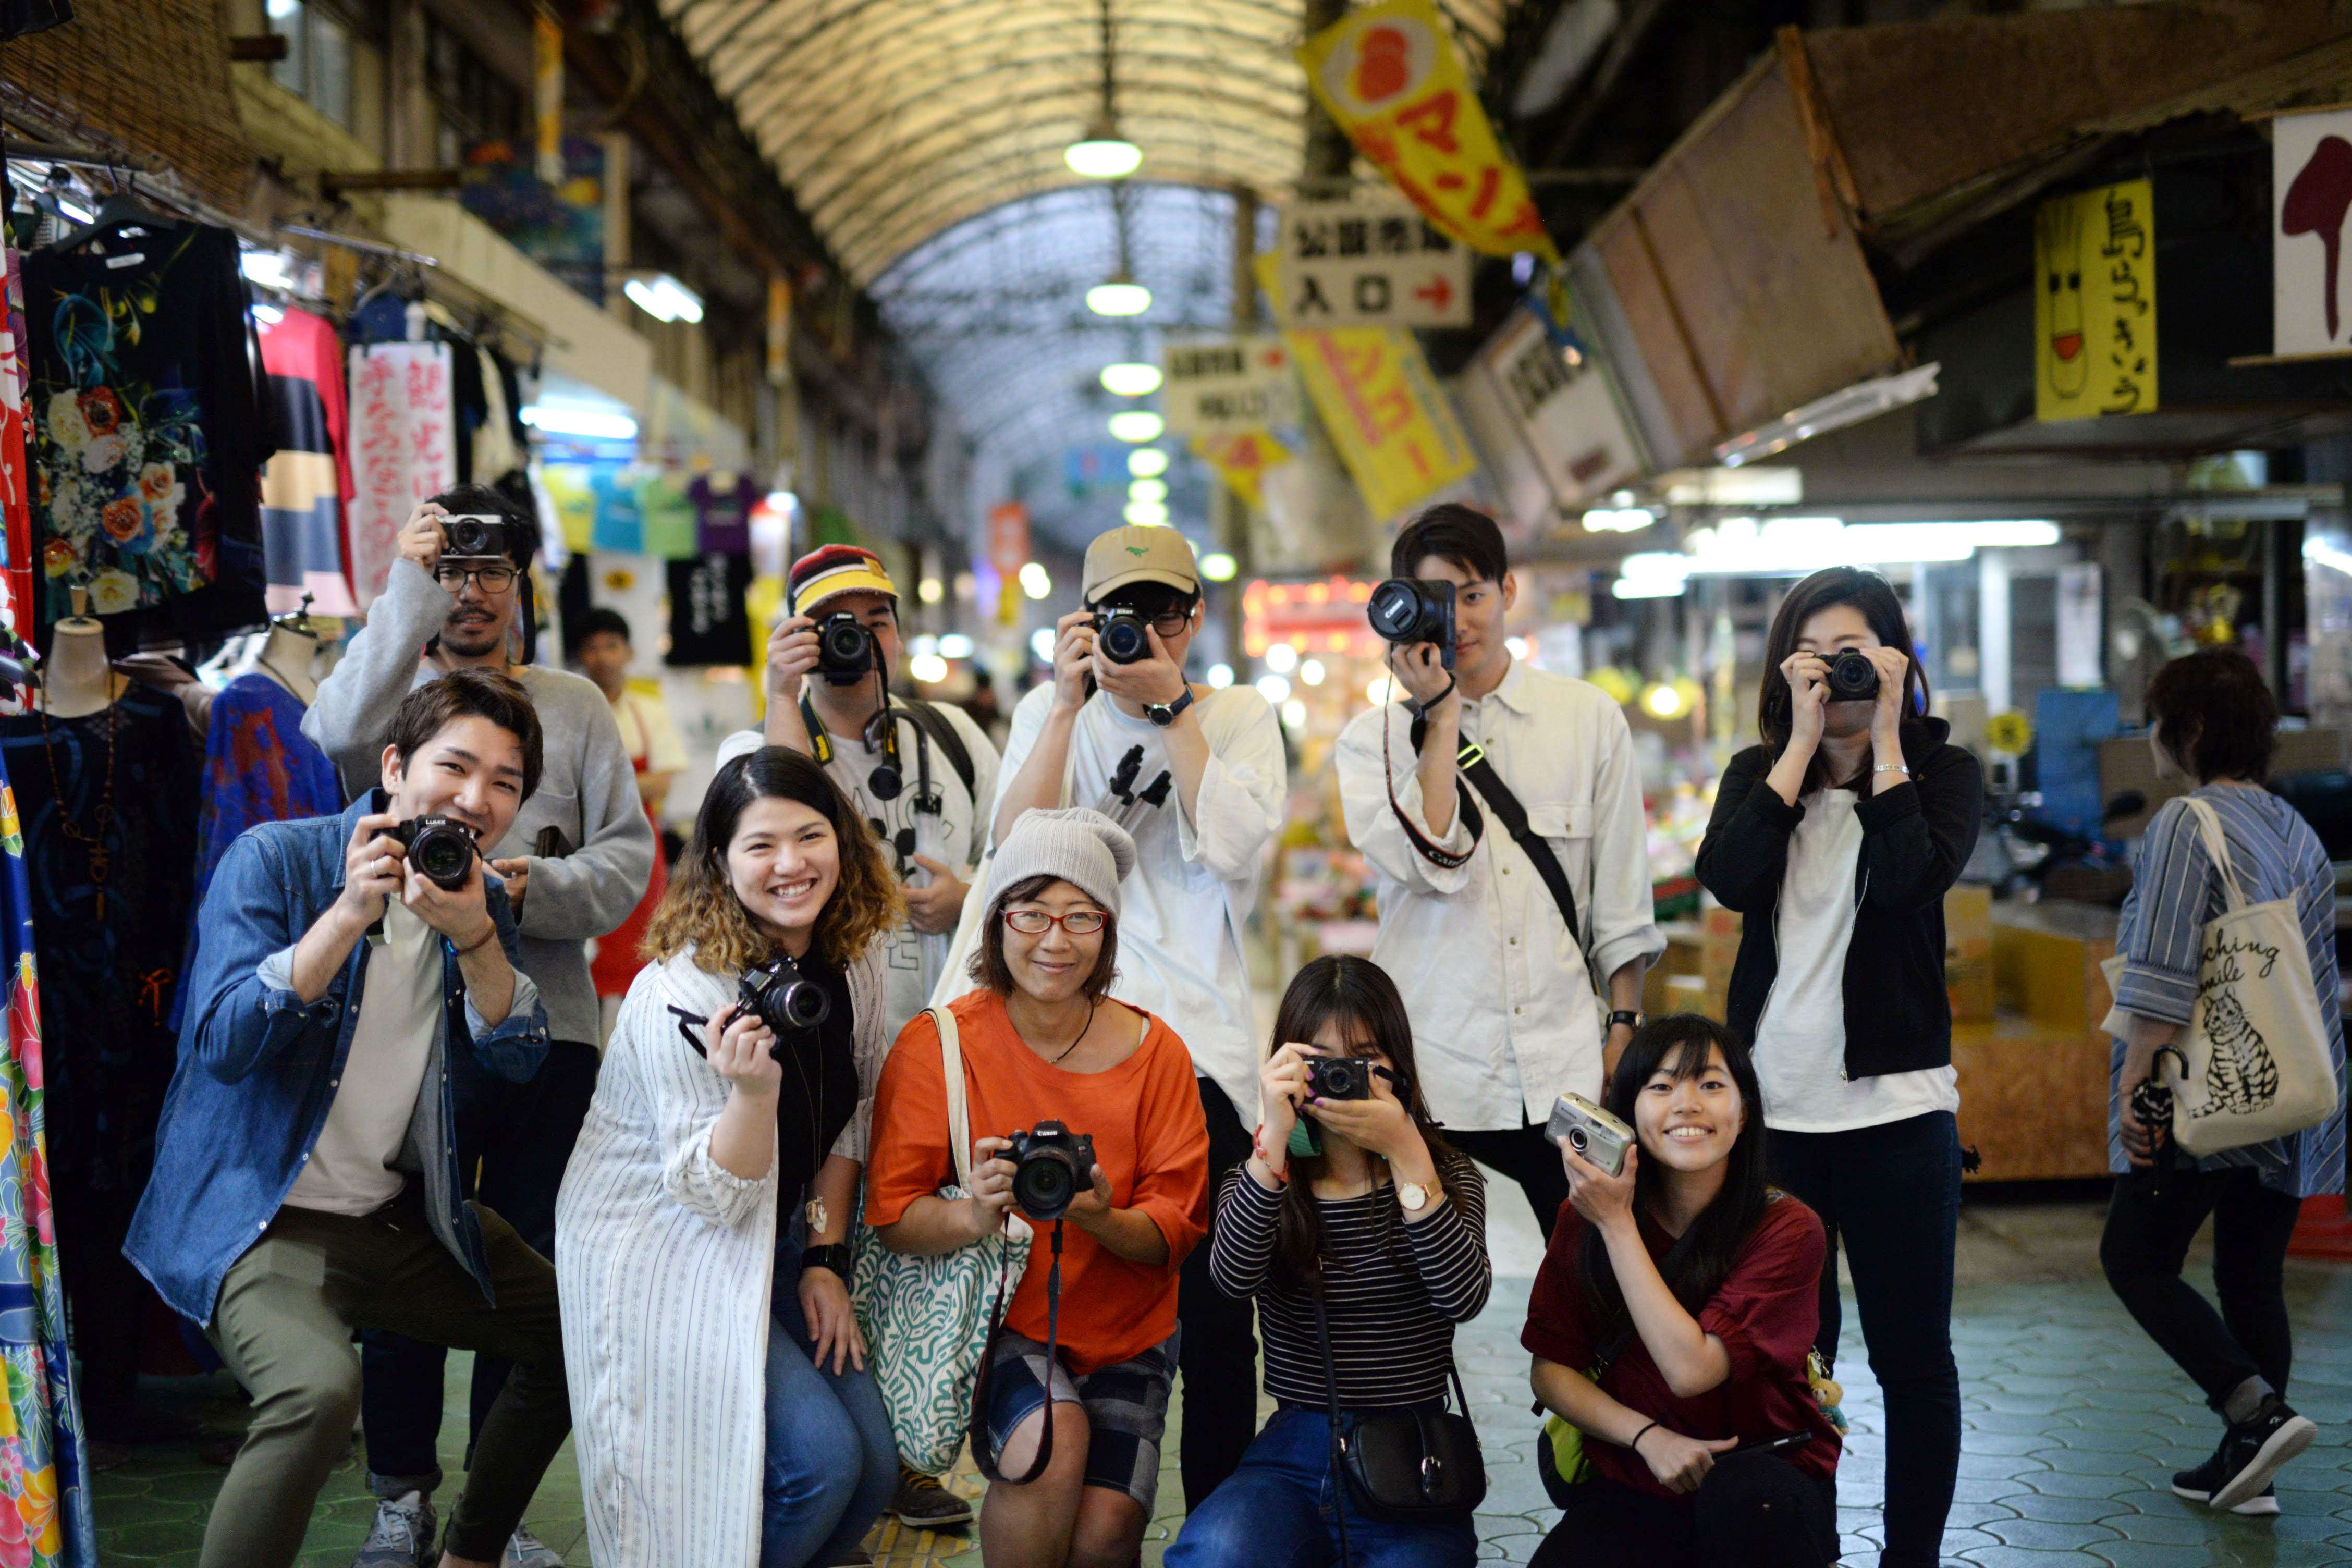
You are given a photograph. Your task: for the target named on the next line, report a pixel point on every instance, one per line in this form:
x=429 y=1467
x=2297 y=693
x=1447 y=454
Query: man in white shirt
x=1203 y=798
x=1499 y=989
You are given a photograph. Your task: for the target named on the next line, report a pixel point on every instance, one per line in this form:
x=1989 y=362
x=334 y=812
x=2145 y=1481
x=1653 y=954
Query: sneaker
x=2264 y=1504
x=402 y=1535
x=525 y=1550
x=921 y=1503
x=2252 y=1452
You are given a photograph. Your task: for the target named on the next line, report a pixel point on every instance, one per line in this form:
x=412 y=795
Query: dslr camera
x=1406 y=610
x=441 y=848
x=778 y=995
x=1339 y=1077
x=846 y=650
x=1051 y=1166
x=474 y=537
x=1851 y=677
x=1119 y=633
x=1577 y=1123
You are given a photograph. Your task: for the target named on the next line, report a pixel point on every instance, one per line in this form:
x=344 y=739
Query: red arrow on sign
x=1437 y=291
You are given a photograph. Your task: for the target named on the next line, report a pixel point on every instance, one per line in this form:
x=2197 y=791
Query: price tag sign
x=1373 y=261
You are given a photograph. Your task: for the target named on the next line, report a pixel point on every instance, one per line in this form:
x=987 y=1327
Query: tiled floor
x=2074 y=1422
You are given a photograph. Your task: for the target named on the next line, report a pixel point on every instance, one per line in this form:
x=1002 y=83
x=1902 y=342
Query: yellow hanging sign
x=1242 y=459
x=2095 y=303
x=1389 y=76
x=1386 y=413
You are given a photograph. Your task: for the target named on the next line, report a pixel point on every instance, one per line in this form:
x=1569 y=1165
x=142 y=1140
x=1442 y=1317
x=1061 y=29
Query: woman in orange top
x=1041 y=1042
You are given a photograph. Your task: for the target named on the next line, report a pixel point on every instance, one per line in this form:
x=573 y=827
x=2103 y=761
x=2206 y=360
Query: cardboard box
x=1967 y=954
x=2125 y=764
x=2046 y=961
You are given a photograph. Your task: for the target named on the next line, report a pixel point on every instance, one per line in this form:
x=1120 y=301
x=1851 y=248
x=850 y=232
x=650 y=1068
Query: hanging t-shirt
x=304 y=485
x=722 y=511
x=496 y=454
x=619 y=528
x=575 y=503
x=708 y=623
x=668 y=518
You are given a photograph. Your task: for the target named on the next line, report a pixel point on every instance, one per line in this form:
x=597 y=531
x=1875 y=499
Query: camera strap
x=981 y=1455
x=1472 y=761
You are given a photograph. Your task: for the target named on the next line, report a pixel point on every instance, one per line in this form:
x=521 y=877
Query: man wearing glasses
x=575 y=862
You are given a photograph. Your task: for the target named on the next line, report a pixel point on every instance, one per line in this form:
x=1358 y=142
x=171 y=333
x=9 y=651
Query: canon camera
x=1407 y=610
x=1051 y=1166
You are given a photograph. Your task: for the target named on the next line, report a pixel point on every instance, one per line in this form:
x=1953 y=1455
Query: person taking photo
x=307 y=1180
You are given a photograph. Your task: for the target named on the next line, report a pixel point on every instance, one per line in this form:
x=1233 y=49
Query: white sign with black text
x=1373 y=261
x=1549 y=426
x=1227 y=386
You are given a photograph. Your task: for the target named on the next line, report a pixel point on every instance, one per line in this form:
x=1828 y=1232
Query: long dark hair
x=1874 y=597
x=1357 y=994
x=1679 y=1045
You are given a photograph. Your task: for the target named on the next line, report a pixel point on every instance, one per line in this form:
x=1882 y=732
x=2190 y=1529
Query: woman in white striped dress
x=722 y=1411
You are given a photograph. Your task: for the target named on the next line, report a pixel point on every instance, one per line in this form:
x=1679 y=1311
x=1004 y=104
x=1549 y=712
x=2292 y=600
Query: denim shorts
x=1126 y=1406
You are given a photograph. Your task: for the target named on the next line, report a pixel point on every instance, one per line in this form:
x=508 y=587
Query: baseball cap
x=1138 y=554
x=832 y=569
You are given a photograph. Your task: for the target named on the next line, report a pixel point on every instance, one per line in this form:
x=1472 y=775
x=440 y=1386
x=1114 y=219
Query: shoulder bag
x=1409 y=1466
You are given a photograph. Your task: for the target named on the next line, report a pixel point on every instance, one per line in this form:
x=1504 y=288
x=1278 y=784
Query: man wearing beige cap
x=1200 y=837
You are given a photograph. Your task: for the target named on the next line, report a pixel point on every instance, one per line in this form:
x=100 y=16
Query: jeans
x=1893 y=1193
x=2149 y=1227
x=1526 y=1157
x=1277 y=1512
x=1753 y=1510
x=521 y=1136
x=1218 y=1356
x=831 y=1462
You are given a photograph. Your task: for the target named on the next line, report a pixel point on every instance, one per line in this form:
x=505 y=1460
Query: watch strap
x=1631 y=1020
x=837 y=1257
x=1164 y=713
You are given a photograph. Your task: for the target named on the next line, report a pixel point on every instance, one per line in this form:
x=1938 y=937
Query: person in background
x=1836 y=839
x=603 y=650
x=2213 y=723
x=985 y=710
x=1043 y=1042
x=727 y=1415
x=1388 y=1226
x=574 y=862
x=1500 y=990
x=1199 y=855
x=1671 y=1324
x=307 y=1180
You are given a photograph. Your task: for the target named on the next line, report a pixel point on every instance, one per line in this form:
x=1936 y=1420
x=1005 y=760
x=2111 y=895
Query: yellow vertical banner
x=2095 y=303
x=1242 y=459
x=1385 y=411
x=547 y=93
x=780 y=329
x=1389 y=76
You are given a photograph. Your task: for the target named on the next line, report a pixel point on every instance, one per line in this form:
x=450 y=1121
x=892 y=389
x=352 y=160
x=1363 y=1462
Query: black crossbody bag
x=1411 y=1466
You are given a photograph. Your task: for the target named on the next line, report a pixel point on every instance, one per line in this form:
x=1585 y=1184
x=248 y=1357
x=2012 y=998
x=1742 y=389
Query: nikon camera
x=1119 y=632
x=846 y=650
x=1051 y=1166
x=778 y=995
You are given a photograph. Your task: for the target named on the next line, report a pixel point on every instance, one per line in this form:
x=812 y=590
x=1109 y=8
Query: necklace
x=94 y=849
x=1074 y=1044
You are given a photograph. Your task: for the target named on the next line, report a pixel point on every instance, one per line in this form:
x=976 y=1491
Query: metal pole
x=1328 y=152
x=1232 y=514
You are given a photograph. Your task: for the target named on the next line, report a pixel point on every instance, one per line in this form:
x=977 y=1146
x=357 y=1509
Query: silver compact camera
x=1598 y=1137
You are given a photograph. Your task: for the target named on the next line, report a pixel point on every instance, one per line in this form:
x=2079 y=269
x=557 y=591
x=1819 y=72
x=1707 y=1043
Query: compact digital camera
x=1600 y=1138
x=1051 y=1166
x=1119 y=633
x=474 y=537
x=778 y=995
x=846 y=650
x=1339 y=1077
x=1406 y=610
x=1851 y=677
x=441 y=848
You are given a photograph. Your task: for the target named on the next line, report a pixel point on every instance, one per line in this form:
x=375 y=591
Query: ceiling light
x=1219 y=567
x=76 y=210
x=1147 y=462
x=1294 y=714
x=267 y=268
x=1036 y=584
x=923 y=645
x=1104 y=154
x=1663 y=700
x=927 y=667
x=955 y=645
x=1312 y=672
x=1146 y=513
x=1041 y=645
x=1131 y=380
x=585 y=422
x=1147 y=490
x=1137 y=424
x=663 y=298
x=1863 y=400
x=1122 y=296
x=1618 y=519
x=1282 y=659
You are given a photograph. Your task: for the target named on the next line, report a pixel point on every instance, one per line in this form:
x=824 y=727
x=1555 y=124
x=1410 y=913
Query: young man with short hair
x=1500 y=990
x=307 y=1176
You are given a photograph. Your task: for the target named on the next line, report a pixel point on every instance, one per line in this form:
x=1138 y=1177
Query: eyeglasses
x=1172 y=625
x=1034 y=922
x=493 y=579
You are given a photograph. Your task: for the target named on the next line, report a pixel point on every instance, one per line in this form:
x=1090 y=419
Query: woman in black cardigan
x=1836 y=839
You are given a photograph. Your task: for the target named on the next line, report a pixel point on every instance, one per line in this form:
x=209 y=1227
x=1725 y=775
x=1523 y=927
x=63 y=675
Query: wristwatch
x=837 y=1257
x=1411 y=1196
x=1164 y=713
x=1631 y=1020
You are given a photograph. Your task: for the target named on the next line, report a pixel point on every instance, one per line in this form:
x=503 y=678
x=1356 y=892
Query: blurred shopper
x=1388 y=1226
x=1205 y=800
x=1499 y=985
x=1671 y=1324
x=1837 y=839
x=727 y=1417
x=575 y=862
x=2214 y=722
x=1042 y=1042
x=603 y=652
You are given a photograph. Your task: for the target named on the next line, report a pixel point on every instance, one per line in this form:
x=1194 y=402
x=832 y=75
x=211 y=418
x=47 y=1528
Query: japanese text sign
x=1389 y=419
x=1389 y=76
x=2095 y=303
x=1223 y=385
x=1371 y=262
x=2311 y=191
x=1543 y=411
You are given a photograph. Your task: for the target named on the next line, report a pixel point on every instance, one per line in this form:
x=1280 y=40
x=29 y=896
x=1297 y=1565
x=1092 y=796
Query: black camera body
x=474 y=537
x=1120 y=633
x=846 y=652
x=1339 y=1077
x=1851 y=677
x=440 y=847
x=778 y=995
x=1406 y=610
x=1051 y=1167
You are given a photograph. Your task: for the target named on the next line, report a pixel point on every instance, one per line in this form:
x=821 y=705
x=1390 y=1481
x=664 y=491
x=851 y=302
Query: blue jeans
x=832 y=1463
x=1276 y=1512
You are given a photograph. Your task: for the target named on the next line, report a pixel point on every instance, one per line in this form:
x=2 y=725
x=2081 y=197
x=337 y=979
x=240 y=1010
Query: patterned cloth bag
x=925 y=1319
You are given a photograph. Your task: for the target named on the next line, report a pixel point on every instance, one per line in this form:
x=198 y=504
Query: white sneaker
x=525 y=1550
x=402 y=1535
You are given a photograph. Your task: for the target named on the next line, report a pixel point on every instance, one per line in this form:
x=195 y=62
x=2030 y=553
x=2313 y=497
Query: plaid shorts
x=1126 y=1406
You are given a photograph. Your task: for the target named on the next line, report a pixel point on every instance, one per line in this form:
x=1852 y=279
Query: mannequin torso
x=285 y=659
x=77 y=680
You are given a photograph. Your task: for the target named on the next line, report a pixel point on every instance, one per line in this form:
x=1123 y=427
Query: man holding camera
x=575 y=860
x=307 y=1176
x=1203 y=794
x=1495 y=929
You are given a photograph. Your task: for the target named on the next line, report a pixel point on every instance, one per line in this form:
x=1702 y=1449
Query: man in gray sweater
x=575 y=863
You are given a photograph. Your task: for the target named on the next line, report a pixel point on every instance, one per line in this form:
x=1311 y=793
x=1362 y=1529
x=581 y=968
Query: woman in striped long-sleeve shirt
x=2213 y=722
x=1389 y=1225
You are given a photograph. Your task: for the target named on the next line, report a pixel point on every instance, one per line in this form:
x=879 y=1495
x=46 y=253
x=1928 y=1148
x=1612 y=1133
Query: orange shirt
x=1149 y=1138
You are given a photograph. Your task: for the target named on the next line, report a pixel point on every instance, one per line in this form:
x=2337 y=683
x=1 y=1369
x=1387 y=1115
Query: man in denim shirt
x=306 y=1184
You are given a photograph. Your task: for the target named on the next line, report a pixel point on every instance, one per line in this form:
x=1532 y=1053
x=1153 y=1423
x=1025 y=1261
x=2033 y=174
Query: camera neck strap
x=982 y=1456
x=888 y=778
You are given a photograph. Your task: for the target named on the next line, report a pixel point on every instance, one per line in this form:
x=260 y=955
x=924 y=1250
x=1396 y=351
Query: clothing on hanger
x=620 y=526
x=468 y=404
x=305 y=486
x=496 y=451
x=708 y=620
x=722 y=513
x=668 y=517
x=16 y=460
x=576 y=504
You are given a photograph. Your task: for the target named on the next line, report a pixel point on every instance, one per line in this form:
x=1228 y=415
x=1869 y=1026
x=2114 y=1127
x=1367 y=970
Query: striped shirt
x=1392 y=1299
x=2175 y=893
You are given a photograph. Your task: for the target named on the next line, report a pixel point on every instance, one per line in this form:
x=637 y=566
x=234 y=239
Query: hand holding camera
x=1596 y=1149
x=791 y=655
x=374 y=868
x=1074 y=658
x=1353 y=1096
x=1282 y=1090
x=421 y=538
x=742 y=1048
x=1131 y=660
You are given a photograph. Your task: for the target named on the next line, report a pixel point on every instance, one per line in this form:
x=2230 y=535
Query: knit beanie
x=1080 y=846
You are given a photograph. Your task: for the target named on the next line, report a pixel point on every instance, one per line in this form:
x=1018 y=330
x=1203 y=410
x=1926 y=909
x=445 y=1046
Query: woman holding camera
x=723 y=1409
x=1671 y=1323
x=1042 y=1043
x=1388 y=1226
x=1837 y=839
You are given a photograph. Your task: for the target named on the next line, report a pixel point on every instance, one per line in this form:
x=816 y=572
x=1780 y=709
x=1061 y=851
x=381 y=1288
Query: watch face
x=1413 y=1196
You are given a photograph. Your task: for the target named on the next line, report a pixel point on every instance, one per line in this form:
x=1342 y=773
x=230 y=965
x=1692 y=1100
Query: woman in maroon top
x=1670 y=1324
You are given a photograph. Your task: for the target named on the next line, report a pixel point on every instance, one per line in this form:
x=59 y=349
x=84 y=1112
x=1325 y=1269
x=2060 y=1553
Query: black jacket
x=1916 y=838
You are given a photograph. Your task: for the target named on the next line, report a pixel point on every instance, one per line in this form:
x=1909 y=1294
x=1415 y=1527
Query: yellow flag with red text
x=1386 y=412
x=1242 y=460
x=1389 y=76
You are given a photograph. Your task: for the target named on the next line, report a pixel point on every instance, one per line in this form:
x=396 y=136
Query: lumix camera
x=846 y=650
x=1339 y=1077
x=778 y=995
x=1051 y=1166
x=1119 y=633
x=473 y=537
x=1851 y=677
x=1602 y=1139
x=1406 y=610
x=441 y=848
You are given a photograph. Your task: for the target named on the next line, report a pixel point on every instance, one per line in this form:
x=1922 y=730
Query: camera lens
x=844 y=644
x=1576 y=1139
x=1044 y=1184
x=805 y=1007
x=443 y=854
x=1123 y=642
x=1395 y=611
x=1852 y=676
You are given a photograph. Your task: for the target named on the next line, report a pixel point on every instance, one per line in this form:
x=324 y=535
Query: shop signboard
x=1390 y=78
x=1370 y=261
x=1227 y=386
x=1242 y=460
x=2311 y=191
x=1545 y=418
x=2094 y=348
x=1391 y=422
x=1008 y=538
